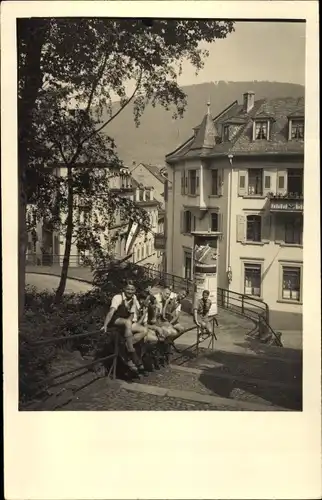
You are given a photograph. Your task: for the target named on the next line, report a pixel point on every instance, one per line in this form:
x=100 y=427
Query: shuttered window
x=281 y=182
x=254 y=228
x=241 y=228
x=242 y=183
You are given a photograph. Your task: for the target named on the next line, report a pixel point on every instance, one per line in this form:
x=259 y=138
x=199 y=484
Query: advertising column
x=205 y=268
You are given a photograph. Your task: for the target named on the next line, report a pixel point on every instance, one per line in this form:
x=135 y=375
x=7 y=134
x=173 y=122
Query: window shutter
x=241 y=228
x=281 y=182
x=182 y=221
x=267 y=186
x=186 y=178
x=242 y=182
x=220 y=179
x=266 y=227
x=197 y=182
x=183 y=182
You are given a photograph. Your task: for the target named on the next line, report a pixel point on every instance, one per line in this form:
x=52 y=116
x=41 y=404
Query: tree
x=86 y=63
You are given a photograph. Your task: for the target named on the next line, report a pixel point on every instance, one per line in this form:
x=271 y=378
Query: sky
x=262 y=51
x=255 y=51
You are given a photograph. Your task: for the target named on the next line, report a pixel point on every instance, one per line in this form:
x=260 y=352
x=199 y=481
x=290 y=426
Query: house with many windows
x=46 y=247
x=240 y=178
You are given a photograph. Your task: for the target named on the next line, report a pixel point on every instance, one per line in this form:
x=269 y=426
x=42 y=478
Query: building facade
x=46 y=247
x=240 y=177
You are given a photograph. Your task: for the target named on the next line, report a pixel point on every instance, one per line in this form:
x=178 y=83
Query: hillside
x=158 y=134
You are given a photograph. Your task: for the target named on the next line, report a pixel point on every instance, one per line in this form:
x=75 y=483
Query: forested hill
x=158 y=134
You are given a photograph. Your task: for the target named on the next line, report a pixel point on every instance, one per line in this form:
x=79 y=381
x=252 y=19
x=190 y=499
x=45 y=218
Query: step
x=229 y=388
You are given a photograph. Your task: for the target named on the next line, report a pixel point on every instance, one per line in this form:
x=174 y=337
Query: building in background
x=240 y=177
x=46 y=247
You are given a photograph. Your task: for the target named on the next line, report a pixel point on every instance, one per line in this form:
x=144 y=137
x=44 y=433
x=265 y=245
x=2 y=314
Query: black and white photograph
x=160 y=214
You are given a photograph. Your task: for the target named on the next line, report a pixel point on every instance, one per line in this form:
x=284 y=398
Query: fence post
x=243 y=305
x=267 y=313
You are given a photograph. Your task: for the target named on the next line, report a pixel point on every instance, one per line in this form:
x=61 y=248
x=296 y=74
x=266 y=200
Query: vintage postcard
x=161 y=276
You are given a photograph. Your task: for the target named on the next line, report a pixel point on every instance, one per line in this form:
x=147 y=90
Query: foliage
x=69 y=72
x=76 y=314
x=110 y=277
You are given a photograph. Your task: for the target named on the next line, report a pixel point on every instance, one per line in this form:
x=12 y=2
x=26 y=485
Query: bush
x=110 y=278
x=77 y=313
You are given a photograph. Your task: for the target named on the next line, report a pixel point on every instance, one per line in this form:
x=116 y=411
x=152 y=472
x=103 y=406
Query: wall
x=143 y=176
x=177 y=242
x=270 y=254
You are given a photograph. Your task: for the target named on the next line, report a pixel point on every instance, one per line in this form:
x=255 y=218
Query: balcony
x=159 y=241
x=289 y=202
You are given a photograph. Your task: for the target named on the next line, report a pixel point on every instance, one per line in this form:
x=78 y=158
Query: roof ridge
x=191 y=138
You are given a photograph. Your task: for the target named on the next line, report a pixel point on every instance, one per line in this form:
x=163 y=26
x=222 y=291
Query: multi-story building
x=240 y=177
x=46 y=247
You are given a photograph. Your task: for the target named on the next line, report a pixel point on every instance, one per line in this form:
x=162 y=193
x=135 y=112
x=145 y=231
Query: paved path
x=47 y=282
x=238 y=375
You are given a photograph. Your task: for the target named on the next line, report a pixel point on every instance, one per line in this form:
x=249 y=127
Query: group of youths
x=147 y=319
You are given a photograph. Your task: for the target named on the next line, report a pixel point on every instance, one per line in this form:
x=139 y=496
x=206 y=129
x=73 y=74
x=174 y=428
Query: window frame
x=249 y=178
x=216 y=214
x=189 y=190
x=290 y=173
x=261 y=124
x=226 y=133
x=260 y=220
x=252 y=263
x=214 y=182
x=290 y=265
x=283 y=223
x=297 y=123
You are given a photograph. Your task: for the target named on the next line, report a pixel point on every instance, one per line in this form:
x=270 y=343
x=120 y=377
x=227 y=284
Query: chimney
x=249 y=101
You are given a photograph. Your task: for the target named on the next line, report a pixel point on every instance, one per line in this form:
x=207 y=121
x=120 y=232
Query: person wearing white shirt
x=122 y=313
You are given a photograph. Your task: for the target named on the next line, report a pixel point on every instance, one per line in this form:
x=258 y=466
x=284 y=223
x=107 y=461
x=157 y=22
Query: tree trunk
x=69 y=234
x=31 y=35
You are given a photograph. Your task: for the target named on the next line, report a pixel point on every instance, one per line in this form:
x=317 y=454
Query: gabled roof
x=298 y=113
x=154 y=170
x=279 y=110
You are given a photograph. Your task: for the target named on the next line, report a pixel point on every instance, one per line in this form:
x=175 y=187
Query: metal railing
x=250 y=307
x=51 y=382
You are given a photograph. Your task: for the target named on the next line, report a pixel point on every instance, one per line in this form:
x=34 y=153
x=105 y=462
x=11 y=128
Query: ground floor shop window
x=252 y=280
x=291 y=283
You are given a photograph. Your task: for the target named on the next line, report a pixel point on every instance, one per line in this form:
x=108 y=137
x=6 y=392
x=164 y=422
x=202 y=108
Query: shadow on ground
x=278 y=383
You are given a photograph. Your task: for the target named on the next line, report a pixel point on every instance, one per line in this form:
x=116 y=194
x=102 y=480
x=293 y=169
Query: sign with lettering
x=286 y=206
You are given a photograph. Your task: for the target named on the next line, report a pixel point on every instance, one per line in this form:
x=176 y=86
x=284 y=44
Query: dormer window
x=261 y=130
x=297 y=129
x=148 y=195
x=226 y=133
